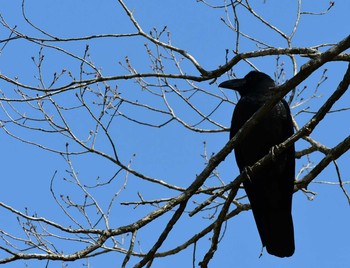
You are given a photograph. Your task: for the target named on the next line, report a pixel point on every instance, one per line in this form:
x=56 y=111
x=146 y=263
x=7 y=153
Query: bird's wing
x=257 y=142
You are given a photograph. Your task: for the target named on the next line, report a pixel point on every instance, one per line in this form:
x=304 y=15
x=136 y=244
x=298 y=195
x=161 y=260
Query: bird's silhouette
x=270 y=191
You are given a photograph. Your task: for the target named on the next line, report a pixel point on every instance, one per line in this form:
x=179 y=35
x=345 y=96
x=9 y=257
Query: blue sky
x=173 y=153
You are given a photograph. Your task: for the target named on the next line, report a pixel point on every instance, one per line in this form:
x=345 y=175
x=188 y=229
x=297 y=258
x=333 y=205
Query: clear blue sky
x=173 y=153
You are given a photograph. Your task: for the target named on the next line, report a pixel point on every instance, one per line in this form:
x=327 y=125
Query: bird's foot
x=247 y=171
x=273 y=152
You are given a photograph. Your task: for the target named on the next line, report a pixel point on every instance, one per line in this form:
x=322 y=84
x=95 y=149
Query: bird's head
x=253 y=82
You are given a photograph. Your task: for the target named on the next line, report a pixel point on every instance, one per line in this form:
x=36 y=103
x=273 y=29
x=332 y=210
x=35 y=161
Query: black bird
x=270 y=191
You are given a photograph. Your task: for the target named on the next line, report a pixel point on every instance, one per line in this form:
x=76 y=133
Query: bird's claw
x=247 y=171
x=272 y=152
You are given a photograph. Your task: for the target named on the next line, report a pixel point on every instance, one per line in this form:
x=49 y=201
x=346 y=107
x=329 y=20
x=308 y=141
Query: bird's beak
x=234 y=84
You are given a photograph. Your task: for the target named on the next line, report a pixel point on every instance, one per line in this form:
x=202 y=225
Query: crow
x=270 y=191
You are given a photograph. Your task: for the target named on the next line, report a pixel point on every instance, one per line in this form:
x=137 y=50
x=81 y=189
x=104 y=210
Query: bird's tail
x=279 y=234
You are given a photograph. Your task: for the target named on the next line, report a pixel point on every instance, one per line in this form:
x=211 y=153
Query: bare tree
x=80 y=114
